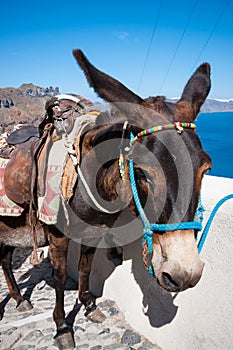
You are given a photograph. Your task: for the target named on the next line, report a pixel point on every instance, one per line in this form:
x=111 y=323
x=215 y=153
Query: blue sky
x=37 y=38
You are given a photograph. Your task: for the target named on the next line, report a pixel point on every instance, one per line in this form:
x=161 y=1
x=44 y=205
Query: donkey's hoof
x=1 y=314
x=95 y=316
x=64 y=341
x=24 y=305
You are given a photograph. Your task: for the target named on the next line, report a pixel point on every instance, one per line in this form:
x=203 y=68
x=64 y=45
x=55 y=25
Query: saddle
x=24 y=175
x=23 y=134
x=25 y=171
x=28 y=148
x=18 y=136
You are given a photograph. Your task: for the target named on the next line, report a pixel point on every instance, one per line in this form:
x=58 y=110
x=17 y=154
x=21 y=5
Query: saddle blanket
x=49 y=204
x=7 y=206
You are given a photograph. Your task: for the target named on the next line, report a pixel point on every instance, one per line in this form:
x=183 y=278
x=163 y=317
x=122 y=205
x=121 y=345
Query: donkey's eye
x=144 y=176
x=140 y=174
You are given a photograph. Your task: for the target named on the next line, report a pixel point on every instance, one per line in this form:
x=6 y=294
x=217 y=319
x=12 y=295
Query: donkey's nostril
x=169 y=283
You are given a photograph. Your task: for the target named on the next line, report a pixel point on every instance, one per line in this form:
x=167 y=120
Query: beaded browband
x=179 y=126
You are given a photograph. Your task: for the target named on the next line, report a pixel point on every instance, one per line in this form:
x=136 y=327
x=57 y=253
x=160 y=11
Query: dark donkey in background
x=169 y=167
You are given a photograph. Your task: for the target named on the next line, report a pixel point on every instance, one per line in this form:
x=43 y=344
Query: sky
x=152 y=46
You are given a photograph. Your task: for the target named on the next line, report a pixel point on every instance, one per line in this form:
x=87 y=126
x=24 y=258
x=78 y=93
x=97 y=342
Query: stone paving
x=35 y=329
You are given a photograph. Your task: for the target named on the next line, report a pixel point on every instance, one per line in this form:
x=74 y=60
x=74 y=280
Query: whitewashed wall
x=199 y=318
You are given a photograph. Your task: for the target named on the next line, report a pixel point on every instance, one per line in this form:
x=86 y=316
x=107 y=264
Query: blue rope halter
x=150 y=228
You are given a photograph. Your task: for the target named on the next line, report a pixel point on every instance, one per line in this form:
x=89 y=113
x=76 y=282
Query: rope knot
x=148 y=232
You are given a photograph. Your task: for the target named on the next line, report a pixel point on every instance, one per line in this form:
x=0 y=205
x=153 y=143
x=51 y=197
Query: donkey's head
x=168 y=168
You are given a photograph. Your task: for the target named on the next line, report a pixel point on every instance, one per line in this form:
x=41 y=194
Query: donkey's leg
x=58 y=255
x=6 y=262
x=84 y=269
x=85 y=296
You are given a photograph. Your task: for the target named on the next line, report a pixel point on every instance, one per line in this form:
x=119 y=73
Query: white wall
x=199 y=318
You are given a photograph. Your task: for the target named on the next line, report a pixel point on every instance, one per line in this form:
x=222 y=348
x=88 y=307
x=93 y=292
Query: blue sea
x=216 y=134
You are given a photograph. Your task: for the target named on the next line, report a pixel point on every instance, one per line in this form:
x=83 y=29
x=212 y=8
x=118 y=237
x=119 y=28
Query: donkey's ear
x=197 y=88
x=105 y=86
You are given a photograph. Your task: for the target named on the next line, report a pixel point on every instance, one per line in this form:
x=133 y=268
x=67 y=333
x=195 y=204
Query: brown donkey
x=169 y=164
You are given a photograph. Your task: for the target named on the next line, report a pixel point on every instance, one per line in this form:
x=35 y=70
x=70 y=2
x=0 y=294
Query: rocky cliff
x=24 y=104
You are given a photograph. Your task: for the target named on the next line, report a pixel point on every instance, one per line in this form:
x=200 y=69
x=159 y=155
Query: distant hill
x=26 y=105
x=213 y=105
x=217 y=106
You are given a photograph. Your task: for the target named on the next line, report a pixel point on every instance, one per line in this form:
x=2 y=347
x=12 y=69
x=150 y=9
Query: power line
x=211 y=34
x=180 y=41
x=178 y=46
x=150 y=44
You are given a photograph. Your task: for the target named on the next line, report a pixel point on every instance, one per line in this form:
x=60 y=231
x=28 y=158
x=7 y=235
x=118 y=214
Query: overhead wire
x=178 y=46
x=180 y=41
x=150 y=44
x=211 y=33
